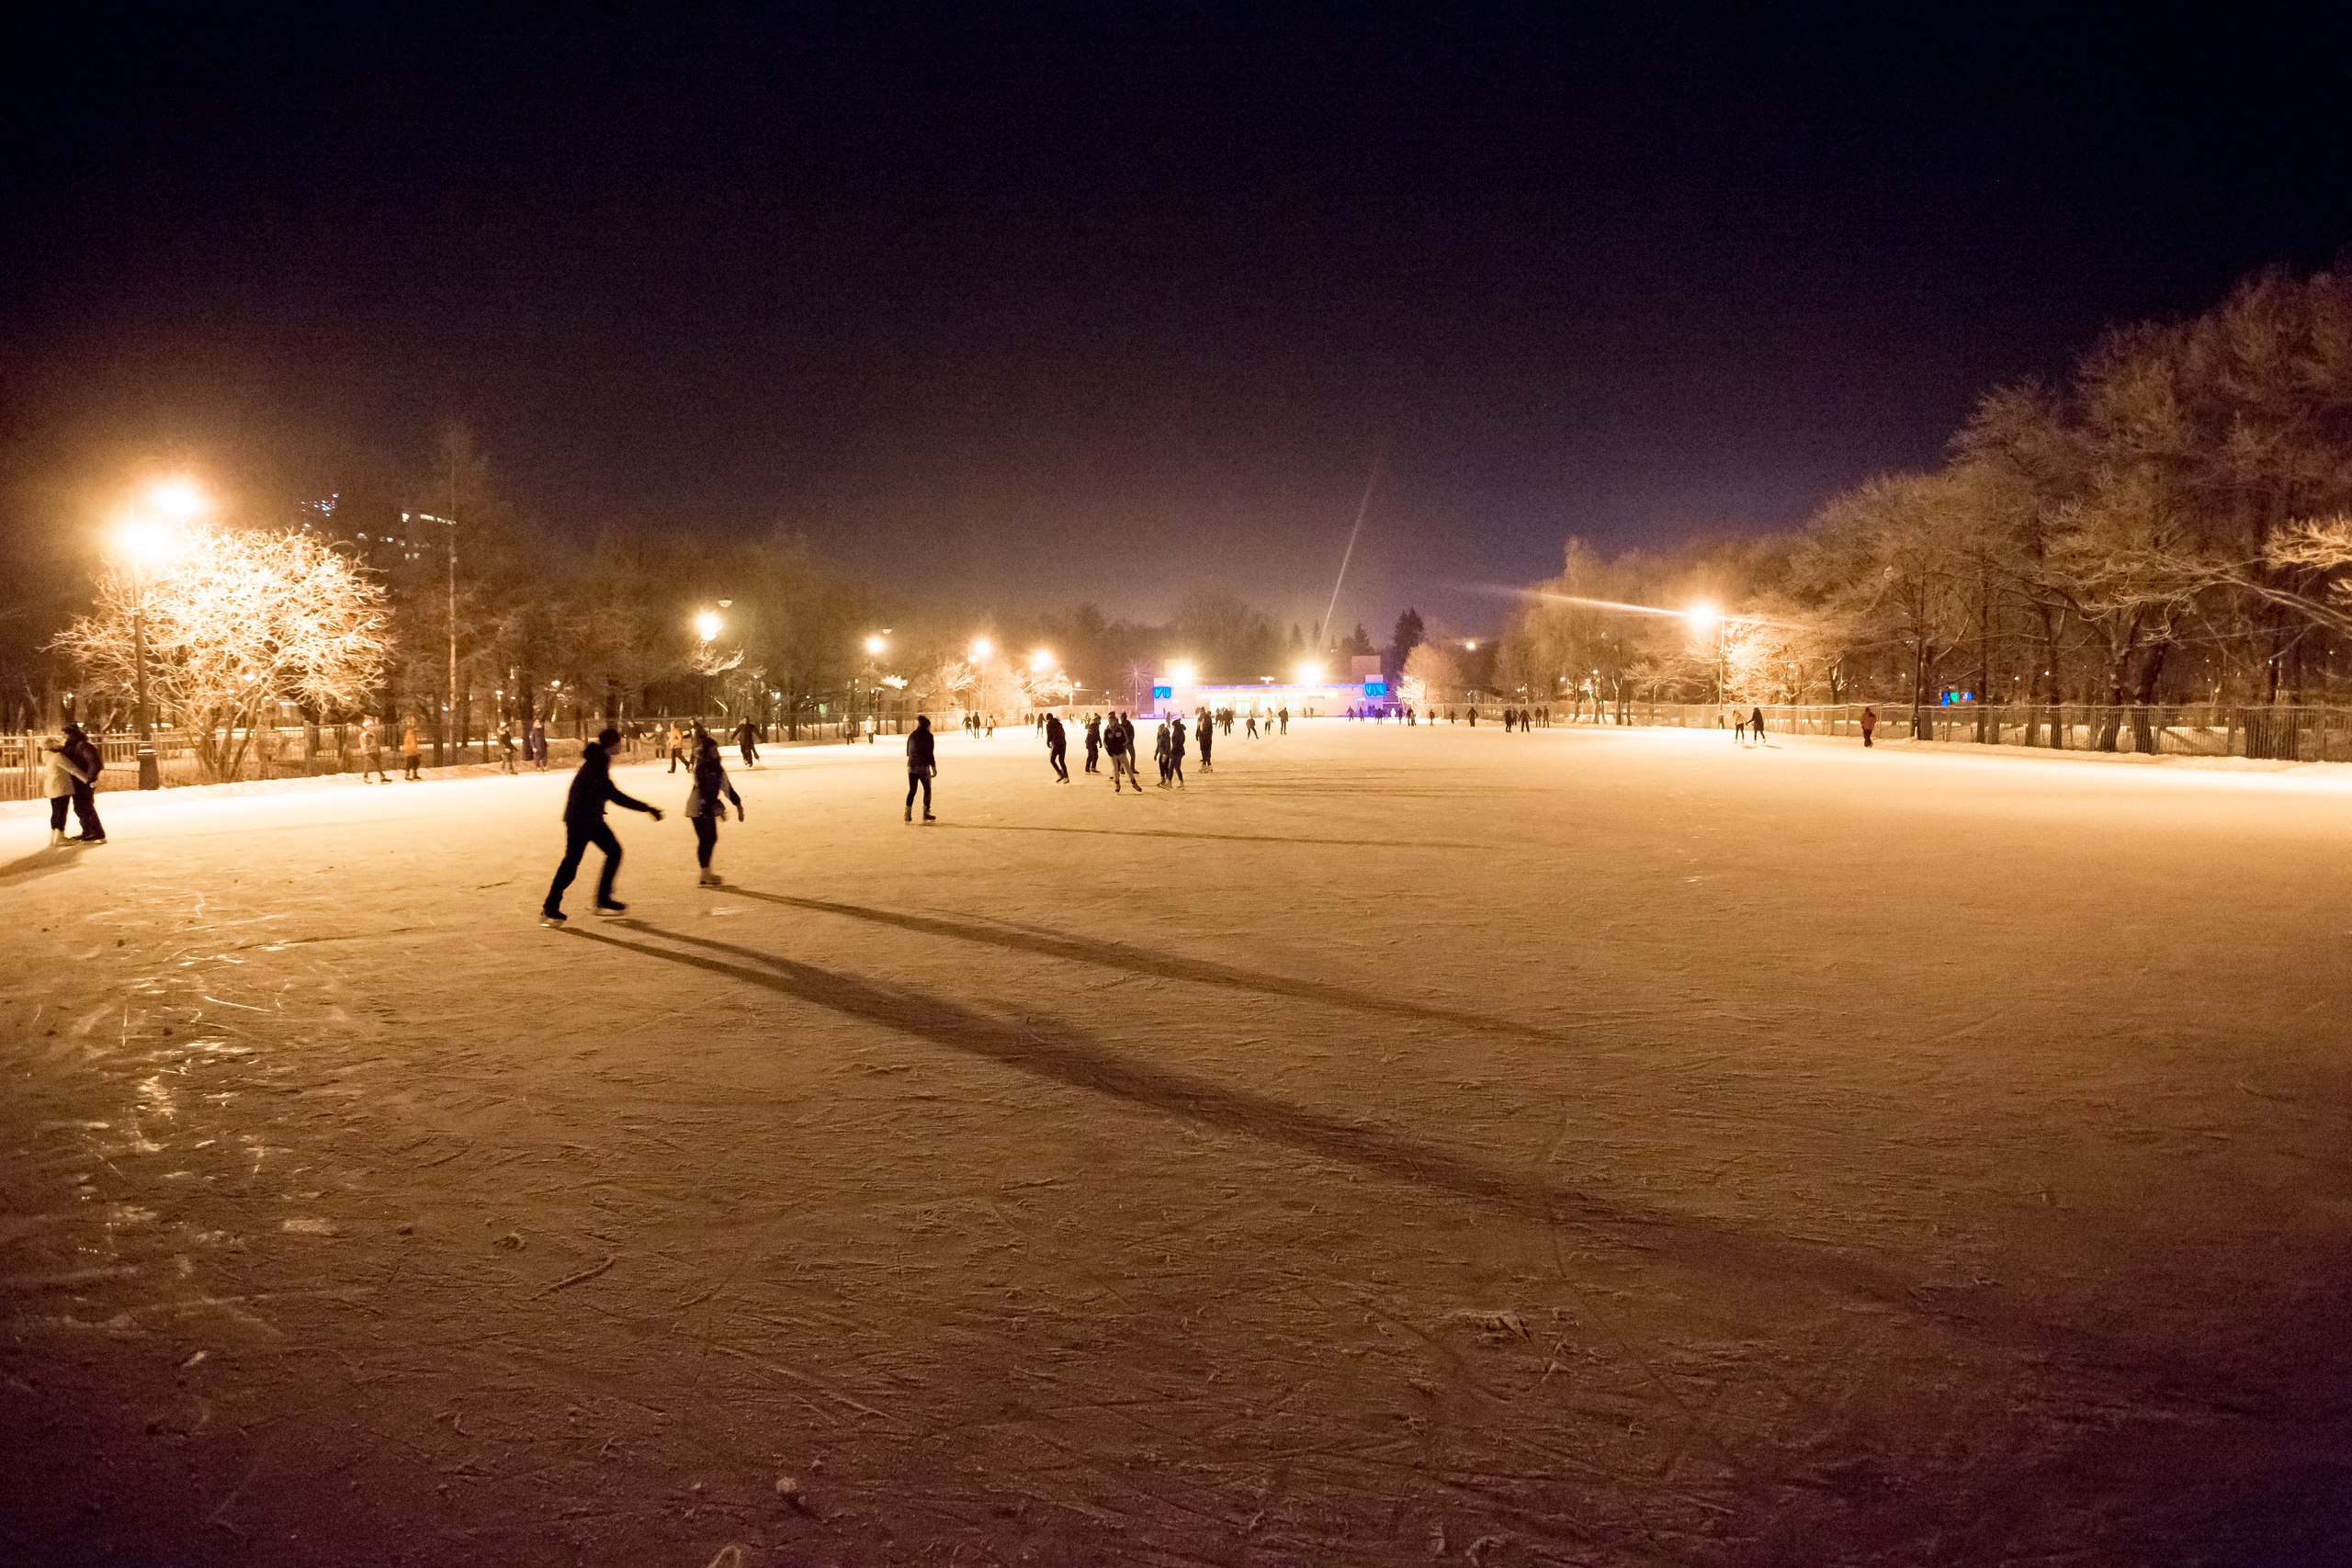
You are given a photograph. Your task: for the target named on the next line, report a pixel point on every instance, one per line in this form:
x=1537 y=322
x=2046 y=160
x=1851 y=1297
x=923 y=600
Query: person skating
x=1206 y=734
x=1057 y=748
x=1252 y=729
x=677 y=748
x=706 y=804
x=506 y=747
x=60 y=777
x=922 y=766
x=1117 y=739
x=535 y=745
x=371 y=751
x=412 y=753
x=747 y=738
x=1176 y=748
x=1283 y=715
x=1159 y=755
x=584 y=824
x=1870 y=726
x=82 y=787
x=1093 y=741
x=1756 y=724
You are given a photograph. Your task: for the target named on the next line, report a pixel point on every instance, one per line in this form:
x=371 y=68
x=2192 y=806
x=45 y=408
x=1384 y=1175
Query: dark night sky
x=1101 y=302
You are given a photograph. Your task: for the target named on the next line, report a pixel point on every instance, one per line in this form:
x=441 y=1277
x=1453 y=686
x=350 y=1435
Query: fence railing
x=302 y=751
x=2206 y=729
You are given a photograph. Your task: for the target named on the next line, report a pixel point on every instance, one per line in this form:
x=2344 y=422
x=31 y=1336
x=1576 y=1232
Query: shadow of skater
x=43 y=863
x=1161 y=965
x=1070 y=1058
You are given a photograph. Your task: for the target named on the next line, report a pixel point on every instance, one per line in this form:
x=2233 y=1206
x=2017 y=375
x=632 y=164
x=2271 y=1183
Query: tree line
x=2167 y=524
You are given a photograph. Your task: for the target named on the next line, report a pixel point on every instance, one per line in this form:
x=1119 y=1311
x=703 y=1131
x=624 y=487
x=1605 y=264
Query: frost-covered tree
x=239 y=620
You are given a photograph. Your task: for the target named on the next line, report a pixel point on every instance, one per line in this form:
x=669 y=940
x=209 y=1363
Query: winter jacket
x=59 y=775
x=923 y=755
x=710 y=785
x=592 y=786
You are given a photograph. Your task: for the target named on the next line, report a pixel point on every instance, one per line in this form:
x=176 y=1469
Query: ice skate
x=711 y=879
x=57 y=838
x=608 y=907
x=553 y=918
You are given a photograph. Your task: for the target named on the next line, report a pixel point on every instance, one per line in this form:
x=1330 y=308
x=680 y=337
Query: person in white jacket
x=58 y=777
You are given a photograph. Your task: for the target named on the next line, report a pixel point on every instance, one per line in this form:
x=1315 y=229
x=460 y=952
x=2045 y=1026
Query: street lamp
x=1700 y=614
x=151 y=542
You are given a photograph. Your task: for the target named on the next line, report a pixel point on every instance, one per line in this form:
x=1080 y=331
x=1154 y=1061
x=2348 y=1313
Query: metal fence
x=311 y=751
x=2285 y=734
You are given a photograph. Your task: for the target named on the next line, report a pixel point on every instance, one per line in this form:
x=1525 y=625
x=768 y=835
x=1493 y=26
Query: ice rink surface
x=1399 y=1147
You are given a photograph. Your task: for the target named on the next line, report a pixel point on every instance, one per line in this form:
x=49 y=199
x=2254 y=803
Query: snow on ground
x=1402 y=1145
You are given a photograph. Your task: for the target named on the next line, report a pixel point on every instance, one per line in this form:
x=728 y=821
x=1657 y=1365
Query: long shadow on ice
x=1161 y=965
x=1072 y=1057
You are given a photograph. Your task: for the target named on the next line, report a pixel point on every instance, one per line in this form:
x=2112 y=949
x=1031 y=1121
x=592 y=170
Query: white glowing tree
x=236 y=621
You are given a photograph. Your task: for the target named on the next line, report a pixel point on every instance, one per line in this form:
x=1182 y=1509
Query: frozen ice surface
x=1399 y=1145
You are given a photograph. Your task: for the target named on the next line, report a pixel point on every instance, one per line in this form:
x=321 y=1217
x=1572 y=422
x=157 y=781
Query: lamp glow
x=1182 y=672
x=707 y=625
x=874 y=646
x=982 y=648
x=1041 y=661
x=1309 y=673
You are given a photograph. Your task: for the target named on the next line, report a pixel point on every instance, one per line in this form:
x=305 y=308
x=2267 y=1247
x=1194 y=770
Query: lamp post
x=178 y=501
x=449 y=708
x=981 y=648
x=707 y=626
x=874 y=647
x=1700 y=614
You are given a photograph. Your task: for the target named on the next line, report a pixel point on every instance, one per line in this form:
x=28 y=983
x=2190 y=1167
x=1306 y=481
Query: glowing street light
x=875 y=645
x=708 y=626
x=1041 y=661
x=147 y=542
x=1183 y=671
x=982 y=648
x=1309 y=673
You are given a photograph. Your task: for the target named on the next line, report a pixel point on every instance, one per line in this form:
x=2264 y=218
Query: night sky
x=1107 y=301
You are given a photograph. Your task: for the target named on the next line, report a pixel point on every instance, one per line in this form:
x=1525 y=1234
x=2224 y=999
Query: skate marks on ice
x=1046 y=943
x=1078 y=1060
x=1223 y=838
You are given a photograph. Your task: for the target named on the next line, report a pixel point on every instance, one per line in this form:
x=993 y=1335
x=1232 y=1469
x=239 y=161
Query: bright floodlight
x=982 y=648
x=874 y=645
x=707 y=623
x=1041 y=661
x=1309 y=673
x=177 y=499
x=1181 y=671
x=150 y=543
x=1470 y=647
x=1703 y=613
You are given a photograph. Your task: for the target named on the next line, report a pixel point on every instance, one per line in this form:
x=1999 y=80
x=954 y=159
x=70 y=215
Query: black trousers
x=706 y=837
x=57 y=804
x=919 y=780
x=577 y=837
x=85 y=810
x=1092 y=753
x=1059 y=757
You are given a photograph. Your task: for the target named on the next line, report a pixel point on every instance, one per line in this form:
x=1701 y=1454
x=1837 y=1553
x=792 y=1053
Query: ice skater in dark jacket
x=923 y=764
x=584 y=824
x=706 y=804
x=1057 y=748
